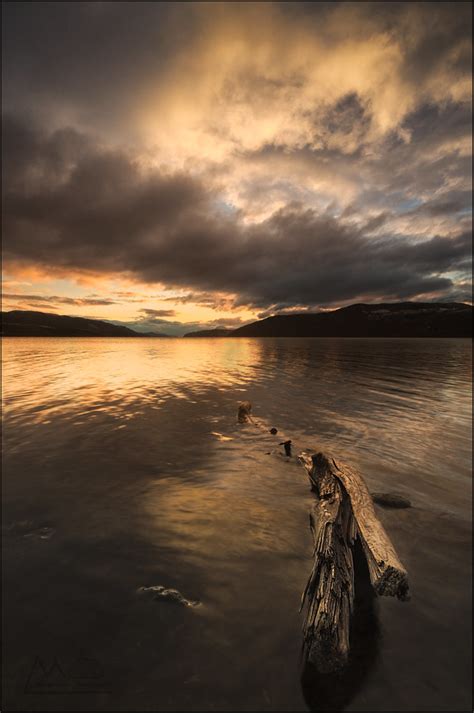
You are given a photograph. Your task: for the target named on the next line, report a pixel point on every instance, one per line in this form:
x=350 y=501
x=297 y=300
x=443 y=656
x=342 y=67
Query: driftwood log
x=342 y=511
x=329 y=592
x=387 y=574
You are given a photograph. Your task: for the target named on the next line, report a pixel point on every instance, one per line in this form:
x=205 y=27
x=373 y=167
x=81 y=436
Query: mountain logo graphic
x=47 y=678
x=53 y=677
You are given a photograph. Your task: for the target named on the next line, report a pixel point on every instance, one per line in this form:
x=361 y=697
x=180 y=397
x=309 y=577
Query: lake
x=124 y=467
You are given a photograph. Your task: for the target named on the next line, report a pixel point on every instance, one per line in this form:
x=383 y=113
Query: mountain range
x=22 y=323
x=401 y=319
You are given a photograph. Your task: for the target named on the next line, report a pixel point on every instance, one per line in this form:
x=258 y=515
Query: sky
x=177 y=166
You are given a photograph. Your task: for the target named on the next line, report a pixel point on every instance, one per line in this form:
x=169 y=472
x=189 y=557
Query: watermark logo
x=58 y=676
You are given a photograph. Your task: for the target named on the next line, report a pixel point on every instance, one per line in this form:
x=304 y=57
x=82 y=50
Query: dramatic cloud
x=239 y=157
x=94 y=210
x=53 y=300
x=154 y=313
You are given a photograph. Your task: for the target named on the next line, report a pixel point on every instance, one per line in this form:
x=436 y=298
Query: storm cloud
x=52 y=300
x=251 y=156
x=74 y=207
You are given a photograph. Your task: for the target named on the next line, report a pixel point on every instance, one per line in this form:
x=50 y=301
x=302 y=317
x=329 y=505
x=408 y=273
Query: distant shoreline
x=380 y=320
x=231 y=336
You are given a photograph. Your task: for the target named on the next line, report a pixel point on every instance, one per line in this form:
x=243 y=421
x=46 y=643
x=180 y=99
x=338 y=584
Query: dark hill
x=20 y=323
x=211 y=333
x=403 y=319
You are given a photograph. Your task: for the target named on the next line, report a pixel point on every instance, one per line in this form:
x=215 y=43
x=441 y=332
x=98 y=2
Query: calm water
x=124 y=467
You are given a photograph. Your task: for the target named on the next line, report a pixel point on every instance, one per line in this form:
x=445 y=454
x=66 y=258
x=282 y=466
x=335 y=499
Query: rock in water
x=391 y=500
x=42 y=533
x=27 y=528
x=170 y=595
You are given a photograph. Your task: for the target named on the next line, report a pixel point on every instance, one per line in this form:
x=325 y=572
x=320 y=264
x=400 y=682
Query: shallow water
x=124 y=468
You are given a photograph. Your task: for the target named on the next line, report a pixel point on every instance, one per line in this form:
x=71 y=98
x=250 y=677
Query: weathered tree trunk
x=387 y=574
x=329 y=593
x=343 y=510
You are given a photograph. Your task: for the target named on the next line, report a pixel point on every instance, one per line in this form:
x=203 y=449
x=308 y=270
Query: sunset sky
x=175 y=166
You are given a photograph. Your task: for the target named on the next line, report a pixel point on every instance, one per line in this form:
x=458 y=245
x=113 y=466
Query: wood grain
x=387 y=574
x=329 y=593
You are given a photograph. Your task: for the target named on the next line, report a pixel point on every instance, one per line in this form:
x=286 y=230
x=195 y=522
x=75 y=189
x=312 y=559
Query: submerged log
x=244 y=411
x=343 y=510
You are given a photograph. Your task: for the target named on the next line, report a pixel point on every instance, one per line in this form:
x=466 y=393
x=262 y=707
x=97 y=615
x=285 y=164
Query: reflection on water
x=129 y=451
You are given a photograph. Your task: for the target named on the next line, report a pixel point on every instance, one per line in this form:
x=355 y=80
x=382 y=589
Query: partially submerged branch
x=387 y=574
x=329 y=593
x=343 y=509
x=244 y=411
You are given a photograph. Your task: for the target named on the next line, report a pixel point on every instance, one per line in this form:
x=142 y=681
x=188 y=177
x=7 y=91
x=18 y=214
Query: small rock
x=19 y=526
x=42 y=533
x=193 y=679
x=170 y=595
x=27 y=529
x=273 y=431
x=391 y=500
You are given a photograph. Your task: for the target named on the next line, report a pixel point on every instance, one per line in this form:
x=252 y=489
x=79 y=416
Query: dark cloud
x=92 y=56
x=204 y=299
x=300 y=184
x=158 y=312
x=95 y=210
x=51 y=300
x=96 y=56
x=436 y=27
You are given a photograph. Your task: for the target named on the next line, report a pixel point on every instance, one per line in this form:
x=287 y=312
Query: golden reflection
x=233 y=506
x=79 y=371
